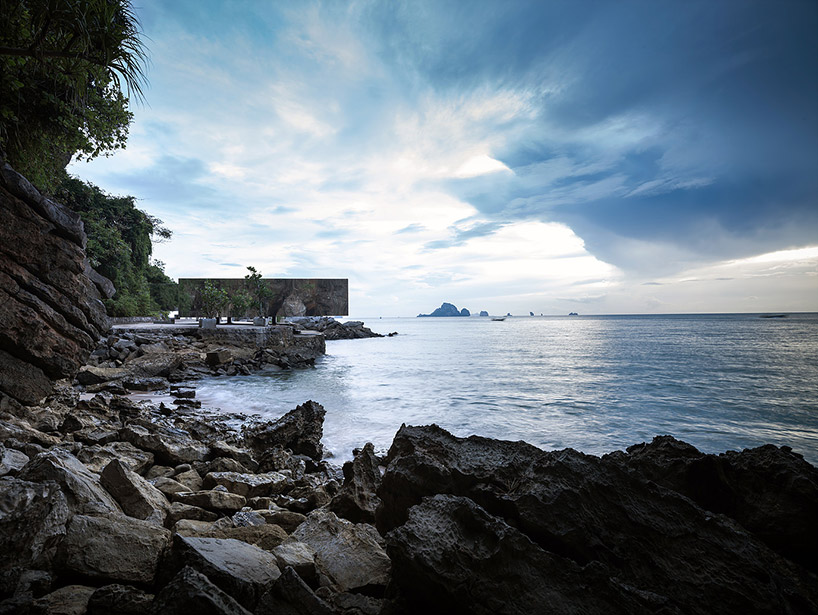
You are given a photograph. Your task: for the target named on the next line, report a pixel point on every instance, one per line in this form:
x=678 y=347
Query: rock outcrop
x=539 y=529
x=334 y=329
x=50 y=298
x=299 y=430
x=447 y=309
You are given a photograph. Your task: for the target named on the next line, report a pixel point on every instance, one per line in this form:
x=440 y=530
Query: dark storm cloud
x=691 y=124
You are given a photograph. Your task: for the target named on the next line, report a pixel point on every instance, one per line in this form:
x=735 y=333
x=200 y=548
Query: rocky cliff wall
x=51 y=311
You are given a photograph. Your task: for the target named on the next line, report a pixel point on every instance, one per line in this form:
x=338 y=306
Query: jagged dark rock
x=770 y=491
x=290 y=595
x=588 y=512
x=357 y=500
x=451 y=556
x=192 y=592
x=300 y=430
x=119 y=599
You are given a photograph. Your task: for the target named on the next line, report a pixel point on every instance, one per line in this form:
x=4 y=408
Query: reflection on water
x=592 y=383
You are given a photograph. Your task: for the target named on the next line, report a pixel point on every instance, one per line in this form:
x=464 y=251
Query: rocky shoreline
x=112 y=506
x=153 y=358
x=109 y=506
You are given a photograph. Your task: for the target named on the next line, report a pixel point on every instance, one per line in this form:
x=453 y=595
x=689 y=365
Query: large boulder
x=351 y=554
x=81 y=487
x=170 y=446
x=32 y=522
x=51 y=310
x=242 y=570
x=595 y=513
x=358 y=500
x=114 y=548
x=137 y=497
x=192 y=592
x=770 y=491
x=300 y=430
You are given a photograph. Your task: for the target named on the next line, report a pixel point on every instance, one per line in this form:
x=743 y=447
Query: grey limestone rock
x=242 y=570
x=67 y=600
x=80 y=486
x=96 y=457
x=137 y=497
x=121 y=600
x=290 y=595
x=171 y=446
x=33 y=517
x=249 y=485
x=11 y=461
x=222 y=501
x=114 y=548
x=299 y=556
x=351 y=554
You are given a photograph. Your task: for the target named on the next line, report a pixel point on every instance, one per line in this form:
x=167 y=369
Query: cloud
x=418 y=147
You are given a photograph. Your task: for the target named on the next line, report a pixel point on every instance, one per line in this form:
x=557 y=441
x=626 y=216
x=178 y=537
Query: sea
x=592 y=383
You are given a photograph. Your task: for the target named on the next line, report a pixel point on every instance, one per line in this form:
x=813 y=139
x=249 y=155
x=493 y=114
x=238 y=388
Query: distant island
x=446 y=309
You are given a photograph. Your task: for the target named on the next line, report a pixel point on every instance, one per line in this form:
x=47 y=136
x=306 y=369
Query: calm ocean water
x=593 y=383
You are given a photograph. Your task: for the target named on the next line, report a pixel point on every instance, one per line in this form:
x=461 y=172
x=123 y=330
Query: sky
x=509 y=156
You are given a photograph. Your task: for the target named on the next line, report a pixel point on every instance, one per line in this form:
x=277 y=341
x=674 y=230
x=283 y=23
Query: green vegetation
x=240 y=302
x=258 y=289
x=63 y=63
x=214 y=300
x=120 y=243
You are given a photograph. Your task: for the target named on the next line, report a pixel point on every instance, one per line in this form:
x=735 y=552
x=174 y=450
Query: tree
x=258 y=289
x=64 y=63
x=214 y=300
x=120 y=243
x=240 y=302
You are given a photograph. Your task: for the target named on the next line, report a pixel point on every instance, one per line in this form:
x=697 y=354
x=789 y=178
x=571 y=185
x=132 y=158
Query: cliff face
x=51 y=312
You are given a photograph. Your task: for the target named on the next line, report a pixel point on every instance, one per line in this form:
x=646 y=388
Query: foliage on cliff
x=120 y=243
x=63 y=63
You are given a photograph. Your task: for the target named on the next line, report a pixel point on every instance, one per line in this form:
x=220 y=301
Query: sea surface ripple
x=593 y=383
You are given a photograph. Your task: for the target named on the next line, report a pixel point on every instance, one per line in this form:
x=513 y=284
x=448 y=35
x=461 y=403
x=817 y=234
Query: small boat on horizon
x=500 y=319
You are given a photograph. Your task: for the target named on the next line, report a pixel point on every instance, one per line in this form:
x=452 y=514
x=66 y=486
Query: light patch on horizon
x=746 y=285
